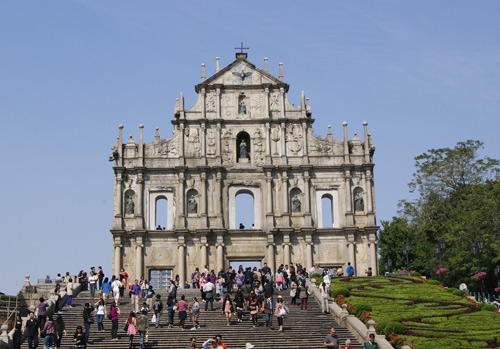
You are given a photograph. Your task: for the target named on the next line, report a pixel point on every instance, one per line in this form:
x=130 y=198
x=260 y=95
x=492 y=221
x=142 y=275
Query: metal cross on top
x=242 y=48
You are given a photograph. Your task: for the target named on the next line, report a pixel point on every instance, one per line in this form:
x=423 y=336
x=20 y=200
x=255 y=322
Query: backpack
x=157 y=305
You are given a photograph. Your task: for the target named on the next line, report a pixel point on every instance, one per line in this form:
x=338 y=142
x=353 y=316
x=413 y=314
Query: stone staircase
x=302 y=328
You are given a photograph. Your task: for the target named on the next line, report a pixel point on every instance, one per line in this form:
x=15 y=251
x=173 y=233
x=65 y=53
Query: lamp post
x=497 y=274
x=440 y=246
x=406 y=252
x=477 y=248
x=388 y=265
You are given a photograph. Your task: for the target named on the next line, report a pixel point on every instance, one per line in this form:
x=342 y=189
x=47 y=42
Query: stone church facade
x=242 y=136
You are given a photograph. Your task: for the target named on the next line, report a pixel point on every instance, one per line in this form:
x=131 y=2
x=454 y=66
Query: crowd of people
x=247 y=294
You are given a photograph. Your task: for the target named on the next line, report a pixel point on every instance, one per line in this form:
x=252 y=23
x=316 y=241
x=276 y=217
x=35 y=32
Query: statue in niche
x=243 y=150
x=192 y=204
x=275 y=137
x=359 y=204
x=129 y=205
x=296 y=205
x=242 y=108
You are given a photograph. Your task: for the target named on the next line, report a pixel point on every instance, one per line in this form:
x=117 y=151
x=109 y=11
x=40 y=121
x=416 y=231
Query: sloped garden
x=431 y=316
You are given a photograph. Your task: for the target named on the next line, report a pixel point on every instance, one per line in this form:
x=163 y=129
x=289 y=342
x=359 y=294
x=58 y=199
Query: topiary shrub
x=319 y=281
x=337 y=291
x=315 y=276
x=379 y=329
x=451 y=289
x=458 y=292
x=489 y=307
x=360 y=307
x=394 y=327
x=433 y=282
x=415 y=273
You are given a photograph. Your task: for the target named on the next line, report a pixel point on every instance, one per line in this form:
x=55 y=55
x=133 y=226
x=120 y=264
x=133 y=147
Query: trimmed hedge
x=360 y=307
x=488 y=307
x=379 y=329
x=459 y=293
x=415 y=273
x=334 y=293
x=433 y=282
x=315 y=275
x=394 y=327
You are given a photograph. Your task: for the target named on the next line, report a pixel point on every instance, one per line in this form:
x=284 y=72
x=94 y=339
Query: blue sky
x=423 y=74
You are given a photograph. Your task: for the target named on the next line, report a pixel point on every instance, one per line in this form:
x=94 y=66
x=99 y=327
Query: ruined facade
x=242 y=136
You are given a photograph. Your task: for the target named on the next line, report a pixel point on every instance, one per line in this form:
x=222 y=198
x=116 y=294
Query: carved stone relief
x=211 y=103
x=211 y=141
x=193 y=145
x=258 y=147
x=275 y=138
x=293 y=139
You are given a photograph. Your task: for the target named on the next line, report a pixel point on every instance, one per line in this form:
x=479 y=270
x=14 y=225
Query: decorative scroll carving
x=294 y=139
x=210 y=142
x=210 y=103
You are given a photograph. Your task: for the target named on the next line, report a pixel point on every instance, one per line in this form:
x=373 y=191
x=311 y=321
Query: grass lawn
x=433 y=317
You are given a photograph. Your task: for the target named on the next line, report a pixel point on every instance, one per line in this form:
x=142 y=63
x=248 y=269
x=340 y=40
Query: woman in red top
x=123 y=279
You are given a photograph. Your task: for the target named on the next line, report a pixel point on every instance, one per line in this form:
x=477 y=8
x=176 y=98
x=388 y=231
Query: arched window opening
x=243 y=147
x=192 y=202
x=244 y=210
x=327 y=211
x=161 y=213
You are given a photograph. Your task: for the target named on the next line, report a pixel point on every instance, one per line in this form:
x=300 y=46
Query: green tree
x=458 y=201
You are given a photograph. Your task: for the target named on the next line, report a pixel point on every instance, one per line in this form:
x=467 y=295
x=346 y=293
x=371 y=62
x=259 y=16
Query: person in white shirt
x=92 y=283
x=115 y=286
x=208 y=288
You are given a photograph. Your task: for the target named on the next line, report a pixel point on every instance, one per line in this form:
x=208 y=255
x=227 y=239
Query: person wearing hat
x=281 y=312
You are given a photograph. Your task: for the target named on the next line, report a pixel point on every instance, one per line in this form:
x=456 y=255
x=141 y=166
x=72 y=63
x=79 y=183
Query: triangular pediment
x=241 y=73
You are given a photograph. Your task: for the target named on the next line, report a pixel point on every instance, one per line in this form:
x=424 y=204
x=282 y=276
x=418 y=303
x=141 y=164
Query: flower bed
x=433 y=317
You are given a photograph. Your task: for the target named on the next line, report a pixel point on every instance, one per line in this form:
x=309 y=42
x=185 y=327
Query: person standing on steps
x=269 y=311
x=105 y=289
x=69 y=292
x=31 y=330
x=348 y=344
x=60 y=331
x=192 y=343
x=253 y=304
x=135 y=290
x=101 y=312
x=87 y=320
x=142 y=327
x=79 y=338
x=239 y=301
x=131 y=328
x=227 y=308
x=324 y=297
x=114 y=311
x=195 y=313
x=293 y=293
x=304 y=295
x=182 y=307
x=116 y=286
x=92 y=283
x=281 y=312
x=208 y=288
x=171 y=307
x=50 y=333
x=331 y=340
x=157 y=308
x=42 y=311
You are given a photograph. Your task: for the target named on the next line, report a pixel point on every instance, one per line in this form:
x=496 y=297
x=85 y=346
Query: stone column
x=181 y=260
x=268 y=143
x=307 y=199
x=118 y=257
x=181 y=142
x=348 y=198
x=180 y=201
x=286 y=248
x=117 y=222
x=203 y=111
x=203 y=200
x=217 y=101
x=369 y=190
x=352 y=255
x=219 y=245
x=270 y=253
x=217 y=141
x=203 y=136
x=283 y=142
x=282 y=101
x=139 y=223
x=203 y=245
x=138 y=258
x=373 y=256
x=305 y=150
x=266 y=103
x=284 y=191
x=217 y=199
x=309 y=261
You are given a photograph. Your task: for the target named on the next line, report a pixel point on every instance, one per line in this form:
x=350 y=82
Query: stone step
x=302 y=328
